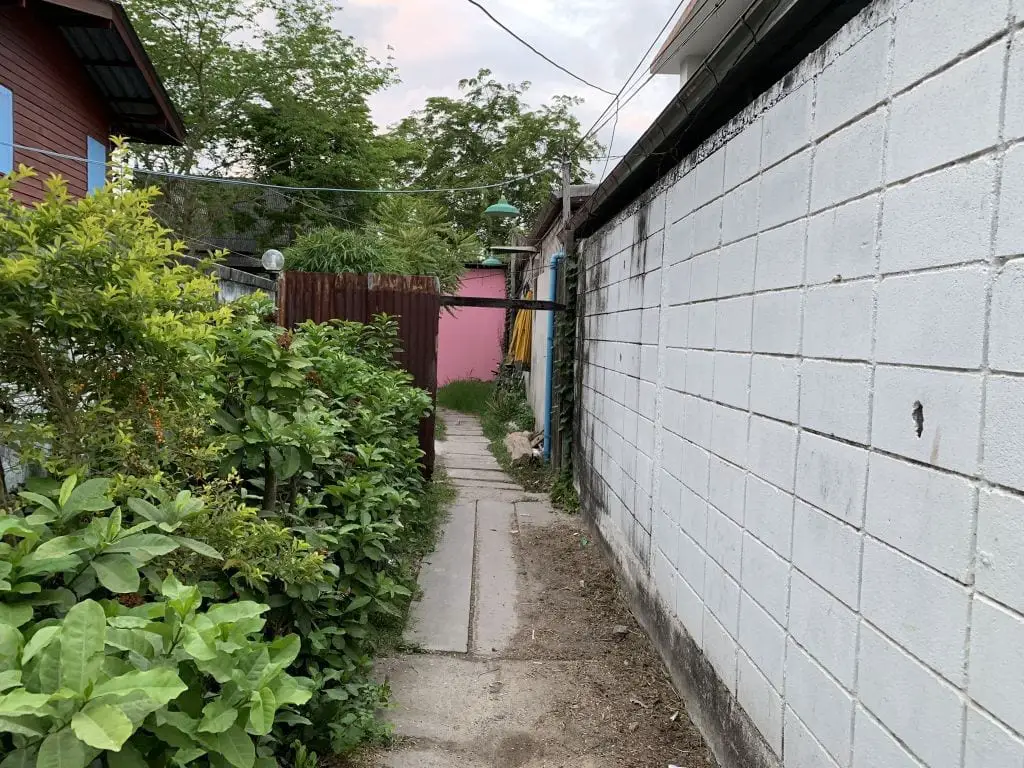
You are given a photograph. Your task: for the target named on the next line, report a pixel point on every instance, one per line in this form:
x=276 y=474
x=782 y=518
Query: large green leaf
x=199 y=547
x=145 y=644
x=145 y=509
x=59 y=547
x=234 y=745
x=102 y=726
x=117 y=573
x=22 y=702
x=218 y=716
x=64 y=750
x=262 y=706
x=144 y=546
x=81 y=639
x=229 y=613
x=90 y=496
x=10 y=678
x=24 y=725
x=160 y=684
x=20 y=758
x=15 y=615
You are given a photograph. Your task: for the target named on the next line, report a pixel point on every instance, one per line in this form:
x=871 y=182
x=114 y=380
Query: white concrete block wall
x=803 y=402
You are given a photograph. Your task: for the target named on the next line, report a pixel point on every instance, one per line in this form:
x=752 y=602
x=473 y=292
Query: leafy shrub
x=140 y=682
x=405 y=237
x=104 y=336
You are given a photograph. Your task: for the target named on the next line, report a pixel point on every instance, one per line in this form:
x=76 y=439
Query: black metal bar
x=488 y=303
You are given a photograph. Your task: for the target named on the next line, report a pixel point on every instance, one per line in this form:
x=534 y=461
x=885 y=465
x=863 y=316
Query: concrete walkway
x=457 y=701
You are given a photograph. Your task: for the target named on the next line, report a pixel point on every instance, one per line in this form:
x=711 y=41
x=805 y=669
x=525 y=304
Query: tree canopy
x=490 y=133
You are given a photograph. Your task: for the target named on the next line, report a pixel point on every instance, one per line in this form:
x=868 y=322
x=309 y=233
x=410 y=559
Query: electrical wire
x=543 y=56
x=284 y=187
x=611 y=143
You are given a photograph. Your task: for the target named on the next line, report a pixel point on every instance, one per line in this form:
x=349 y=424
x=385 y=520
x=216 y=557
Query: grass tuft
x=466 y=396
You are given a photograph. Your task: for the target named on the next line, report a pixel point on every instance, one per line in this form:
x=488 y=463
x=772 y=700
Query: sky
x=435 y=43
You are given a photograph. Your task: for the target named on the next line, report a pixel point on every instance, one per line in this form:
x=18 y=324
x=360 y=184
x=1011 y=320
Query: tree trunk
x=269 y=484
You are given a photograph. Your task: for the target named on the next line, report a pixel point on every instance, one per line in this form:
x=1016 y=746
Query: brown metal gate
x=414 y=301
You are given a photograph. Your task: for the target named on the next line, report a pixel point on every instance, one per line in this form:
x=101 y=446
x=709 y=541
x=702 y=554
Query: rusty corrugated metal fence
x=413 y=300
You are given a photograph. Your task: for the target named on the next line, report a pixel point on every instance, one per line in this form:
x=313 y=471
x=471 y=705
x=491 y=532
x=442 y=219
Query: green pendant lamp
x=502 y=209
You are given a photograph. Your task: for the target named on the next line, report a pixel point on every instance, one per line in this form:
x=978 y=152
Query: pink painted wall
x=469 y=338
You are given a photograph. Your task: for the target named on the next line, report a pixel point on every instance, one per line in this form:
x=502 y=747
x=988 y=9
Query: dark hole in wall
x=918 y=414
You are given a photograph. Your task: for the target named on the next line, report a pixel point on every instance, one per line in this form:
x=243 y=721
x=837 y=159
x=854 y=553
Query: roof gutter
x=769 y=40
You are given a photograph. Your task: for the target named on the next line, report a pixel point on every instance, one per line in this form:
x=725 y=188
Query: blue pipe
x=556 y=259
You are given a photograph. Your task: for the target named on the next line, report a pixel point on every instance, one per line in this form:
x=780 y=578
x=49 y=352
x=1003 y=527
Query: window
x=6 y=130
x=97 y=155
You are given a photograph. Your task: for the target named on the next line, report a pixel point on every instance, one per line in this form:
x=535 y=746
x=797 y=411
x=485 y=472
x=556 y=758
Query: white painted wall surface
x=538 y=274
x=849 y=246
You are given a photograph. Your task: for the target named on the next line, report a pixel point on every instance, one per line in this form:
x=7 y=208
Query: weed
x=466 y=396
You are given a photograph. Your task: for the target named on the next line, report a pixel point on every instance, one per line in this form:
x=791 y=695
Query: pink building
x=470 y=338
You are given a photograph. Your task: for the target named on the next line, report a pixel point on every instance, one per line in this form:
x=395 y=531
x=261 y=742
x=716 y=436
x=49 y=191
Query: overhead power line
x=284 y=187
x=546 y=58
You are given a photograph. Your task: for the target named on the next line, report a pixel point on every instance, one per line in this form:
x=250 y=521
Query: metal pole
x=566 y=192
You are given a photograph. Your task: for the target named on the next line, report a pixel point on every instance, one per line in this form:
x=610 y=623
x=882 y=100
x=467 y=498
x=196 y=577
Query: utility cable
x=284 y=187
x=543 y=56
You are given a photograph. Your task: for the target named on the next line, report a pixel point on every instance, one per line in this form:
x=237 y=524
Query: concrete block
x=864 y=64
x=958 y=110
x=926 y=514
x=997 y=676
x=919 y=608
x=708 y=178
x=724 y=542
x=675 y=369
x=874 y=746
x=704 y=276
x=841 y=241
x=695 y=469
x=838 y=320
x=650 y=323
x=722 y=597
x=787 y=125
x=950 y=405
x=774 y=387
x=495 y=590
x=835 y=398
x=697 y=415
x=935 y=318
x=761 y=701
x=766 y=577
x=832 y=476
x=679 y=200
x=764 y=640
x=1004 y=422
x=736 y=267
x=743 y=155
x=784 y=189
x=1000 y=559
x=729 y=433
x=732 y=378
x=769 y=515
x=700 y=370
x=740 y=211
x=824 y=628
x=656 y=213
x=1013 y=122
x=888 y=678
x=649 y=364
x=828 y=551
x=690 y=610
x=849 y=163
x=707 y=226
x=801 y=749
x=664 y=575
x=727 y=488
x=780 y=256
x=676 y=322
x=678 y=241
x=989 y=743
x=777 y=322
x=733 y=323
x=941 y=218
x=701 y=325
x=1006 y=348
x=820 y=702
x=692 y=560
x=720 y=648
x=772 y=451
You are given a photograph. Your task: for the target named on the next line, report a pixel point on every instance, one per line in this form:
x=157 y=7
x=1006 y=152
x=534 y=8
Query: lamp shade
x=502 y=209
x=273 y=260
x=492 y=261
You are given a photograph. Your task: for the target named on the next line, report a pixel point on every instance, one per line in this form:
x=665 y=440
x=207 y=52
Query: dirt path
x=565 y=678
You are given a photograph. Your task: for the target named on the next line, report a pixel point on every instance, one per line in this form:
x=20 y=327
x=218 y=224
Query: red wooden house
x=73 y=73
